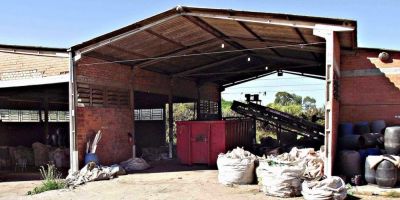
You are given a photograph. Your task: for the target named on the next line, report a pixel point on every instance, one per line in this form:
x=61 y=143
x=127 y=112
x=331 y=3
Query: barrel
x=345 y=129
x=91 y=157
x=392 y=140
x=364 y=153
x=386 y=174
x=372 y=139
x=361 y=128
x=378 y=126
x=369 y=174
x=351 y=142
x=349 y=163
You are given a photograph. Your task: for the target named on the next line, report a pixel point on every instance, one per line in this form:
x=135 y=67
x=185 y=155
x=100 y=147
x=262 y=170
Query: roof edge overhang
x=34 y=48
x=35 y=81
x=296 y=21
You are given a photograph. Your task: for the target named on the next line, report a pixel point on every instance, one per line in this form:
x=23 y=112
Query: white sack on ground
x=236 y=167
x=280 y=179
x=134 y=164
x=282 y=175
x=93 y=172
x=330 y=188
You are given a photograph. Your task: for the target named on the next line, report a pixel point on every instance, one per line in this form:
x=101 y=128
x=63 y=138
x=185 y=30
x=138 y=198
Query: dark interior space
x=34 y=127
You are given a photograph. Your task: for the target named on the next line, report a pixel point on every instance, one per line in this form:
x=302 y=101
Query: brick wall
x=115 y=122
x=369 y=88
x=14 y=66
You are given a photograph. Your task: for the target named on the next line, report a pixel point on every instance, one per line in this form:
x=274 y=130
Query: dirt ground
x=199 y=184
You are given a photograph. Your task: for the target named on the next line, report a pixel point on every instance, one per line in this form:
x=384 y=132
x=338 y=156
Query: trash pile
x=301 y=171
x=236 y=167
x=93 y=172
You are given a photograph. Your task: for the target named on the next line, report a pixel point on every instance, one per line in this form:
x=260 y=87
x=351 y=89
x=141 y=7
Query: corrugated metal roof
x=167 y=38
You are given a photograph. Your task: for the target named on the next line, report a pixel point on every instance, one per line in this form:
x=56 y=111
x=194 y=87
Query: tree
x=285 y=99
x=309 y=103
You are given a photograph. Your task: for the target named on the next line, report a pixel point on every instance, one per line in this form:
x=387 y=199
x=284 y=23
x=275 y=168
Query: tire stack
x=363 y=141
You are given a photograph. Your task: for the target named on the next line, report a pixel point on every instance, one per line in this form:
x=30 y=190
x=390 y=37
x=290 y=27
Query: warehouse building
x=120 y=82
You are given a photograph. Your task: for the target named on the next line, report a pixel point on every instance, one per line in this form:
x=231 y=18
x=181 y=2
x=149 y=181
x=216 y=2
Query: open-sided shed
x=190 y=55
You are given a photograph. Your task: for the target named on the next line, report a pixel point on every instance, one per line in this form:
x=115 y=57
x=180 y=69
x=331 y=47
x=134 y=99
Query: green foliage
x=293 y=109
x=51 y=180
x=285 y=99
x=226 y=109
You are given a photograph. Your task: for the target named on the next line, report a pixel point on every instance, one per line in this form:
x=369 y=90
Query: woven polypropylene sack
x=331 y=188
x=235 y=170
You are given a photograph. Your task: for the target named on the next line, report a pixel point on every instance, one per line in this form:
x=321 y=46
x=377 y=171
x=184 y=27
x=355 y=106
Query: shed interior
x=29 y=115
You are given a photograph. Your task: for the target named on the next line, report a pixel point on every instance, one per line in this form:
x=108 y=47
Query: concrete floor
x=163 y=181
x=375 y=190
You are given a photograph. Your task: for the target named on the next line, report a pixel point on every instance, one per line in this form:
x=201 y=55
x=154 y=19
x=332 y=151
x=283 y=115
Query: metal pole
x=74 y=165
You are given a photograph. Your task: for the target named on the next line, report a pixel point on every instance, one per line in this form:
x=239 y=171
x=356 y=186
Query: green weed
x=51 y=180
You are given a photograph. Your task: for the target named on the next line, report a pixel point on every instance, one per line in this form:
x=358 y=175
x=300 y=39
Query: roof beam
x=213 y=31
x=165 y=38
x=277 y=42
x=272 y=21
x=210 y=65
x=116 y=48
x=234 y=73
x=181 y=51
x=294 y=60
x=248 y=29
x=249 y=70
x=247 y=79
x=124 y=35
x=298 y=32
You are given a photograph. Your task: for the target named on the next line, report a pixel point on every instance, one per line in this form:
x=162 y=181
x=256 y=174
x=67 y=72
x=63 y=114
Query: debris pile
x=134 y=164
x=93 y=172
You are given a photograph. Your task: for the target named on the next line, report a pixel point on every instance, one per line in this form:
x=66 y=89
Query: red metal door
x=200 y=143
x=183 y=143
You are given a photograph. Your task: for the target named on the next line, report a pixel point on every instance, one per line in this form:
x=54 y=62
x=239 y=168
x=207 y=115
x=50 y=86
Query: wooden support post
x=171 y=118
x=133 y=132
x=132 y=103
x=198 y=103
x=221 y=89
x=46 y=116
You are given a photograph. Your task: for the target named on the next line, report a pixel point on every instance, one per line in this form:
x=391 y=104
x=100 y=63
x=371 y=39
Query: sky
x=66 y=23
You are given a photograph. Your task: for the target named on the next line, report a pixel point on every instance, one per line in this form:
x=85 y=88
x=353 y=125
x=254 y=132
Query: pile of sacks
x=299 y=172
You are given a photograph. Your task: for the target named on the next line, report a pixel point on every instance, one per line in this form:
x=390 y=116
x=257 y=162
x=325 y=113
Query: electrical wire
x=262 y=86
x=261 y=92
x=206 y=53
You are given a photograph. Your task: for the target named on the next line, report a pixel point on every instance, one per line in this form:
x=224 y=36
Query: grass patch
x=51 y=180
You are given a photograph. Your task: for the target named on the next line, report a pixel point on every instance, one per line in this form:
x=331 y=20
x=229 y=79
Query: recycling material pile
x=236 y=167
x=282 y=175
x=286 y=175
